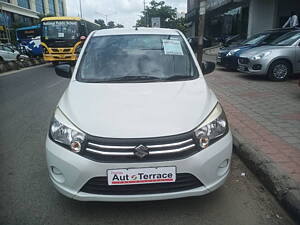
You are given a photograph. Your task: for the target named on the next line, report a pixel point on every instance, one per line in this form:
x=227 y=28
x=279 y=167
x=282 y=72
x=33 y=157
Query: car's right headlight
x=260 y=55
x=63 y=132
x=213 y=128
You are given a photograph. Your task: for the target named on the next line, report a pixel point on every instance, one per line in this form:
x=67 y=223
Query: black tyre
x=18 y=57
x=1 y=60
x=279 y=70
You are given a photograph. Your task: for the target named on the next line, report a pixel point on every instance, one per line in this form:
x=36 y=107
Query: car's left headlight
x=213 y=128
x=232 y=52
x=65 y=133
x=260 y=55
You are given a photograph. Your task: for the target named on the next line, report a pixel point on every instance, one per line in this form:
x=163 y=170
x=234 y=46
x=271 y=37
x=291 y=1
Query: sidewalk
x=265 y=121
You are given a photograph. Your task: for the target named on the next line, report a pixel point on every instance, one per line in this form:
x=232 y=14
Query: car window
x=111 y=58
x=7 y=49
x=255 y=39
x=272 y=37
x=287 y=39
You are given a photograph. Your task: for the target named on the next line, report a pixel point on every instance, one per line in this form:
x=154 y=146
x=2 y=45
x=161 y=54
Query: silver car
x=278 y=60
x=8 y=54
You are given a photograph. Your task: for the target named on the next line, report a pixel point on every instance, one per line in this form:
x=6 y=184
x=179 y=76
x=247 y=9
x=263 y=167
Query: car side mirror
x=208 y=67
x=64 y=70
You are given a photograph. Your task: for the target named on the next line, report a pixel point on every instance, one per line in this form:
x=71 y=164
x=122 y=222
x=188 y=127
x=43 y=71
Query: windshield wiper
x=134 y=78
x=178 y=77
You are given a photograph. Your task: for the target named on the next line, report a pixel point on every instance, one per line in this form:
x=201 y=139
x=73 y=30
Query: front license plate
x=141 y=176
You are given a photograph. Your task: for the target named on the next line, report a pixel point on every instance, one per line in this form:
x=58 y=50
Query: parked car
x=8 y=54
x=228 y=57
x=278 y=60
x=137 y=121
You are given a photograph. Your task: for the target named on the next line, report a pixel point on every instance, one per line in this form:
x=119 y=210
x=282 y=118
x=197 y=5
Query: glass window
x=39 y=4
x=51 y=7
x=60 y=30
x=24 y=3
x=137 y=58
x=61 y=7
x=254 y=40
x=287 y=39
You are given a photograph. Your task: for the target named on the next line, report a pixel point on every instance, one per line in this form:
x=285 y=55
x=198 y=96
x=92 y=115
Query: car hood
x=137 y=110
x=258 y=50
x=240 y=47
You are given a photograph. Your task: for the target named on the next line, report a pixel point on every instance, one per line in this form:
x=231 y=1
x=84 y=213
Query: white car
x=8 y=54
x=137 y=121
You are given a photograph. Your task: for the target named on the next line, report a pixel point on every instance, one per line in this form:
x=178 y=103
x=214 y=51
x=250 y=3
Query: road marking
x=54 y=84
x=21 y=70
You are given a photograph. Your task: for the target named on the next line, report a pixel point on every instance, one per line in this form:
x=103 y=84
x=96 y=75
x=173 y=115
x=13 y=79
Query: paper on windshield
x=61 y=35
x=172 y=47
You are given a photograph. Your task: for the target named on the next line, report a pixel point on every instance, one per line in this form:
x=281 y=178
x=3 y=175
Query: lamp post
x=80 y=8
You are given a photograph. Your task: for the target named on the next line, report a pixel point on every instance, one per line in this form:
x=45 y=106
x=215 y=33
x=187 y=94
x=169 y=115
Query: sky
x=125 y=12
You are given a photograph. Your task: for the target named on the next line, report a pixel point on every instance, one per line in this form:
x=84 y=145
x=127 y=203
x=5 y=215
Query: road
x=27 y=101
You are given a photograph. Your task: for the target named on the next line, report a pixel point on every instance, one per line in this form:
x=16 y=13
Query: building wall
x=21 y=9
x=262 y=15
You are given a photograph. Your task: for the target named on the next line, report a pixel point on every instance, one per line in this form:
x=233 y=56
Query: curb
x=284 y=188
x=16 y=65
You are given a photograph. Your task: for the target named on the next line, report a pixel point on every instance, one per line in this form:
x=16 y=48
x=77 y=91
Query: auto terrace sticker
x=141 y=176
x=172 y=47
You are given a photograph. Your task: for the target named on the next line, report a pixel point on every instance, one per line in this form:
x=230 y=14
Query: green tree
x=111 y=24
x=166 y=13
x=101 y=23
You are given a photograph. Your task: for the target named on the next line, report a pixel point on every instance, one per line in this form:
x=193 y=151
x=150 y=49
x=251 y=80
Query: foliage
x=101 y=23
x=167 y=14
x=110 y=24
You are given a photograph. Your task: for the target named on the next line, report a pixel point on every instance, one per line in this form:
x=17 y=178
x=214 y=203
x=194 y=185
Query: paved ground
x=265 y=113
x=27 y=101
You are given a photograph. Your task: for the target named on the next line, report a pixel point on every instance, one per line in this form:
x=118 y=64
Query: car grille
x=99 y=185
x=243 y=60
x=152 y=149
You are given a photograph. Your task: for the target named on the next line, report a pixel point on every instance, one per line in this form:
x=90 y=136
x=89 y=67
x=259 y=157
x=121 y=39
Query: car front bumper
x=76 y=171
x=258 y=67
x=59 y=57
x=230 y=62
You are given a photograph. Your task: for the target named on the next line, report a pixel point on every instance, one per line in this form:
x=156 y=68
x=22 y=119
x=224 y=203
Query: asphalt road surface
x=27 y=101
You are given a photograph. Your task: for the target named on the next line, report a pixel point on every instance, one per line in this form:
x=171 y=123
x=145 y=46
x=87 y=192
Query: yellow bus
x=62 y=37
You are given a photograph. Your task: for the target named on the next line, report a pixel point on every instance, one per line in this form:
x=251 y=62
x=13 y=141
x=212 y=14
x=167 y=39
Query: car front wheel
x=279 y=70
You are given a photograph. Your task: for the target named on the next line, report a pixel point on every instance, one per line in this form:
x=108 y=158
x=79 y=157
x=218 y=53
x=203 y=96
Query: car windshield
x=287 y=39
x=255 y=39
x=132 y=58
x=60 y=30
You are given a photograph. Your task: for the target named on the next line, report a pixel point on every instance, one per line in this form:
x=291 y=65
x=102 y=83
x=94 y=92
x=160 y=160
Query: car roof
x=139 y=30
